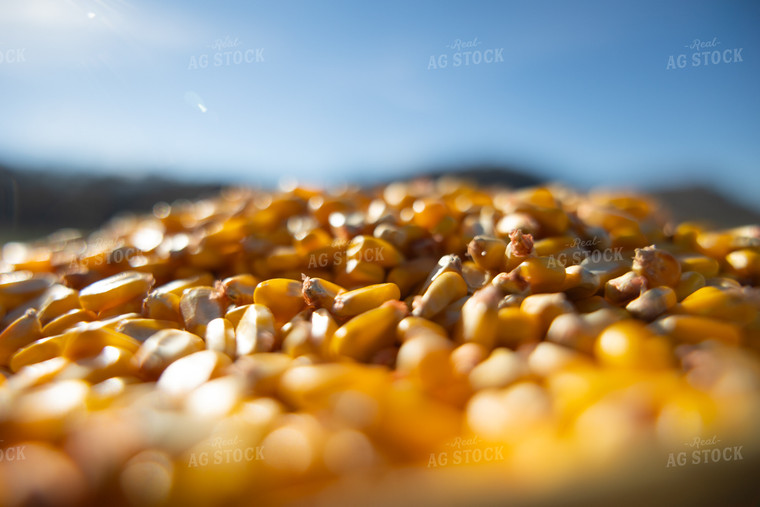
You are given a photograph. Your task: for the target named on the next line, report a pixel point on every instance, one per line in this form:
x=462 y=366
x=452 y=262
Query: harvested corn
x=267 y=343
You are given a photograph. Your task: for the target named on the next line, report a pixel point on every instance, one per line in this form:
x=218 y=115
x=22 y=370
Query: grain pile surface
x=418 y=342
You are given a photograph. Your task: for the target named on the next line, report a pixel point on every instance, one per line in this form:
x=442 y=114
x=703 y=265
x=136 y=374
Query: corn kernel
x=652 y=303
x=282 y=296
x=115 y=290
x=368 y=332
x=360 y=300
x=480 y=317
x=163 y=348
x=445 y=289
x=256 y=330
x=658 y=266
x=23 y=331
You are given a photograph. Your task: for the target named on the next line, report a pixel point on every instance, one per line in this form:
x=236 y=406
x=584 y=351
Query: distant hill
x=36 y=203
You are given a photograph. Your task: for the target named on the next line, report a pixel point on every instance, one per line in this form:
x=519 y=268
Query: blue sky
x=581 y=91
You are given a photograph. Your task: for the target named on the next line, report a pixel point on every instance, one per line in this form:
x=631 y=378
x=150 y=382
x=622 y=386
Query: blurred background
x=110 y=105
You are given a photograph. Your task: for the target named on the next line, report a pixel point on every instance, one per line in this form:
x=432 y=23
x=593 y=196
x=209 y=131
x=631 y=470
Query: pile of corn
x=275 y=346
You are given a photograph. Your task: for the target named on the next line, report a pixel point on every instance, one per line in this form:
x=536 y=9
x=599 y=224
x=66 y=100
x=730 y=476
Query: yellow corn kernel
x=715 y=244
x=548 y=359
x=355 y=273
x=409 y=274
x=516 y=327
x=690 y=329
x=323 y=326
x=553 y=221
x=368 y=332
x=239 y=289
x=411 y=327
x=543 y=274
x=309 y=242
x=284 y=258
x=723 y=282
x=659 y=267
x=133 y=306
x=428 y=213
x=426 y=358
x=545 y=307
x=297 y=339
x=624 y=288
x=46 y=411
x=56 y=301
x=178 y=287
x=216 y=398
x=142 y=329
x=480 y=317
x=502 y=368
x=163 y=348
x=629 y=344
x=513 y=221
x=90 y=339
x=690 y=282
x=466 y=357
x=652 y=303
x=446 y=263
x=628 y=238
x=475 y=276
x=599 y=319
x=261 y=372
x=37 y=373
x=706 y=266
x=451 y=315
x=606 y=270
x=38 y=351
x=110 y=362
x=162 y=306
x=235 y=314
x=115 y=290
x=554 y=245
x=281 y=296
x=220 y=336
x=745 y=262
x=724 y=304
x=191 y=371
x=444 y=290
x=199 y=306
x=592 y=304
x=685 y=234
x=488 y=253
x=511 y=283
x=374 y=250
x=572 y=331
x=23 y=331
x=579 y=283
x=17 y=288
x=362 y=299
x=313 y=386
x=256 y=330
x=320 y=293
